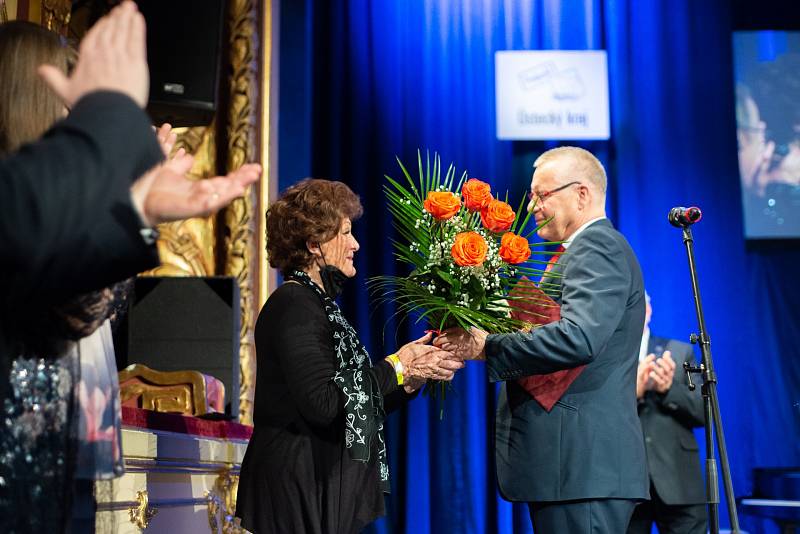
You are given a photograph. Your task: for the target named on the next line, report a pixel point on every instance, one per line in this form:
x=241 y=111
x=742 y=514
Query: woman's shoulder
x=294 y=295
x=291 y=304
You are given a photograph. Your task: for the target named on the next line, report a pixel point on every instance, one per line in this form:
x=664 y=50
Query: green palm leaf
x=438 y=291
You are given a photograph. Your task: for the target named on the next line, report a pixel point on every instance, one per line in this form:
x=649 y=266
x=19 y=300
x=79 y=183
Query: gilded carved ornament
x=141 y=514
x=239 y=222
x=56 y=14
x=186 y=248
x=222 y=505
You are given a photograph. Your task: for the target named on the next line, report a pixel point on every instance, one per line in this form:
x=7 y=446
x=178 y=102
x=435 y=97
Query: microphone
x=682 y=217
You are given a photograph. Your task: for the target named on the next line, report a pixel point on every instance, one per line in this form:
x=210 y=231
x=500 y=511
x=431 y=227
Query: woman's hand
x=422 y=362
x=411 y=385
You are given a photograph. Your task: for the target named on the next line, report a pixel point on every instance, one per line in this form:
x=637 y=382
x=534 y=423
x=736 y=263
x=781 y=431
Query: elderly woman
x=317 y=460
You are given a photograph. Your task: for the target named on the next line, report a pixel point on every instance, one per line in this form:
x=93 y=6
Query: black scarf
x=363 y=405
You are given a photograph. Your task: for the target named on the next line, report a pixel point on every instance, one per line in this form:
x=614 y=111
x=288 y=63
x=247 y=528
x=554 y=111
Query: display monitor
x=767 y=77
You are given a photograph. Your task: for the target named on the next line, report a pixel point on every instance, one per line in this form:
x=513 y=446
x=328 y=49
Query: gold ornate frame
x=250 y=127
x=231 y=243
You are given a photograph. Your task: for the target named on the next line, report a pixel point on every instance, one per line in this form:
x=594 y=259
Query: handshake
x=440 y=360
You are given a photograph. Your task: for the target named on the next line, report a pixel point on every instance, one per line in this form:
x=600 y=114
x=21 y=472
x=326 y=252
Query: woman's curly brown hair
x=309 y=211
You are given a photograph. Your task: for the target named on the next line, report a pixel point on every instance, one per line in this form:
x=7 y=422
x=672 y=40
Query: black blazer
x=667 y=422
x=67 y=224
x=590 y=444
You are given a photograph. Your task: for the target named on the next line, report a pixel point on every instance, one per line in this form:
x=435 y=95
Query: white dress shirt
x=580 y=229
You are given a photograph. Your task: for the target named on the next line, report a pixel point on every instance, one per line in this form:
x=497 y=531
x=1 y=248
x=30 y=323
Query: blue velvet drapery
x=363 y=81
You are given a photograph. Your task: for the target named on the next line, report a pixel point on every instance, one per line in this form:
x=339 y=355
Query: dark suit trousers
x=591 y=516
x=670 y=519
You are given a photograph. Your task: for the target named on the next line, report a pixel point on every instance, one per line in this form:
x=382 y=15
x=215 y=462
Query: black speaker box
x=184 y=43
x=177 y=323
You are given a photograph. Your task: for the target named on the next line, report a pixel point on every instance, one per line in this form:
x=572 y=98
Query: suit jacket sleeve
x=67 y=224
x=309 y=362
x=595 y=289
x=678 y=400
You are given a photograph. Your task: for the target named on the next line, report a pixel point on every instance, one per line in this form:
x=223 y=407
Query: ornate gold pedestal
x=174 y=483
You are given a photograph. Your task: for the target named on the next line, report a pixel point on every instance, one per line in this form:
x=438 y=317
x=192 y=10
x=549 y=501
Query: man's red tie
x=554 y=258
x=538 y=308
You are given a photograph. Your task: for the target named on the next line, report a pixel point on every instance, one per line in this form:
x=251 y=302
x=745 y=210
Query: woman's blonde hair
x=28 y=107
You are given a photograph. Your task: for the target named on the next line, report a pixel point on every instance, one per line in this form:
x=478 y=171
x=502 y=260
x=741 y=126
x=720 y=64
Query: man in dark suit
x=580 y=465
x=668 y=412
x=78 y=205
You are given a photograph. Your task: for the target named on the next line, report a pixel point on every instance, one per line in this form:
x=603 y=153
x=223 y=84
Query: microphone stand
x=710 y=404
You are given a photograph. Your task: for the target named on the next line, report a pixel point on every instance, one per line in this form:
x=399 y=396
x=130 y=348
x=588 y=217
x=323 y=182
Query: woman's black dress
x=297 y=476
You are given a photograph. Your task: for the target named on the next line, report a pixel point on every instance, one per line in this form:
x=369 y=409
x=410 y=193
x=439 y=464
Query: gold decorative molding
x=56 y=15
x=231 y=243
x=165 y=399
x=142 y=513
x=3 y=12
x=238 y=217
x=186 y=248
x=222 y=505
x=268 y=186
x=183 y=392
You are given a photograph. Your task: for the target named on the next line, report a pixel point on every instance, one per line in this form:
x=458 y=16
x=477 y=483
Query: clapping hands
x=655 y=374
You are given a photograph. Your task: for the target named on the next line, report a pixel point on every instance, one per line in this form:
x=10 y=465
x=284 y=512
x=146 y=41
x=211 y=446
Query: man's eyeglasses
x=541 y=197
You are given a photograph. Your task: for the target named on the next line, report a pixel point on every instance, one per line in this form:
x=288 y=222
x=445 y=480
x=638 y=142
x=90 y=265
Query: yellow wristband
x=398 y=367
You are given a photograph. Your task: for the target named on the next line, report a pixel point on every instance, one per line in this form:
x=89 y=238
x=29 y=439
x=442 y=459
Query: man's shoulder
x=601 y=233
x=604 y=228
x=605 y=248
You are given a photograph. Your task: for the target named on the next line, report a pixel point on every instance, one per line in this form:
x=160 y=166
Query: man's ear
x=584 y=196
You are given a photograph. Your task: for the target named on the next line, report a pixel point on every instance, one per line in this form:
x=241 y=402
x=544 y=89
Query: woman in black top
x=316 y=462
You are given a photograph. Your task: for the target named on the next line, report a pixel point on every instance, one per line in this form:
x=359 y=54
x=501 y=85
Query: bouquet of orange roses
x=469 y=252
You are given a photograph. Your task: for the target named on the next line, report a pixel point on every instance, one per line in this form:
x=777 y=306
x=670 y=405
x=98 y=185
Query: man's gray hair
x=584 y=164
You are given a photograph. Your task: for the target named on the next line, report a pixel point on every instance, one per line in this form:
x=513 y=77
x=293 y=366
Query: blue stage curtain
x=365 y=81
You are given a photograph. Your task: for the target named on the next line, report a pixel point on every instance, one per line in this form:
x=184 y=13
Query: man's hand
x=663 y=373
x=166 y=193
x=166 y=139
x=643 y=382
x=112 y=57
x=467 y=345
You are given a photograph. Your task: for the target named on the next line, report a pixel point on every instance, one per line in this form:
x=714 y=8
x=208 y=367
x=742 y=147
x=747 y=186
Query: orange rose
x=442 y=204
x=514 y=249
x=497 y=216
x=477 y=194
x=469 y=249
